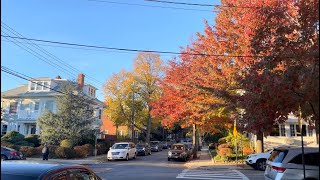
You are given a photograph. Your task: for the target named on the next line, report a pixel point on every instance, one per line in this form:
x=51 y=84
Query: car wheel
x=149 y=152
x=127 y=157
x=135 y=156
x=185 y=159
x=169 y=159
x=261 y=164
x=3 y=157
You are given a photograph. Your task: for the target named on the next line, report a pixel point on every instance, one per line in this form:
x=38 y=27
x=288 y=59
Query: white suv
x=258 y=161
x=122 y=150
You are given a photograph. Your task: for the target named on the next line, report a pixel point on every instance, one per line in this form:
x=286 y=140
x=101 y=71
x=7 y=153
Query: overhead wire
x=146 y=51
x=33 y=80
x=152 y=6
x=49 y=54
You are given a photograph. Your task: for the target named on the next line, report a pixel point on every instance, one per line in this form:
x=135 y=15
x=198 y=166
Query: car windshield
x=140 y=145
x=119 y=146
x=178 y=147
x=154 y=143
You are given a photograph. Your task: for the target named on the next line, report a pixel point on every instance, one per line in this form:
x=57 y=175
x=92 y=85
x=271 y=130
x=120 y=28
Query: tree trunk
x=195 y=141
x=317 y=130
x=259 y=145
x=148 y=128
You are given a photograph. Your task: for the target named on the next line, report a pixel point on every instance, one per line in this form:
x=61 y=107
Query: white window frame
x=293 y=130
x=282 y=129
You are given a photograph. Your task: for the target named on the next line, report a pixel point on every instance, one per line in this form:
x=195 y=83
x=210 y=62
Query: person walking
x=45 y=152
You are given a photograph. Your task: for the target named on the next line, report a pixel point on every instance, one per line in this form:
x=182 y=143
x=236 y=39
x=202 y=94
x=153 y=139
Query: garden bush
x=13 y=146
x=89 y=149
x=81 y=151
x=33 y=139
x=101 y=148
x=28 y=151
x=64 y=152
x=247 y=150
x=66 y=143
x=52 y=151
x=12 y=137
x=225 y=152
x=224 y=146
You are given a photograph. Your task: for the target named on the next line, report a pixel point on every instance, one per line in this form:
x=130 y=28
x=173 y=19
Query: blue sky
x=94 y=23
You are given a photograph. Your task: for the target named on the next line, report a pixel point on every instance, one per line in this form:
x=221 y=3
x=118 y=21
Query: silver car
x=286 y=163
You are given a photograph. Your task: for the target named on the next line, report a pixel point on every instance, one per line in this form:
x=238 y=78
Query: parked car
x=143 y=149
x=178 y=151
x=16 y=171
x=123 y=150
x=156 y=146
x=11 y=154
x=258 y=161
x=286 y=163
x=165 y=145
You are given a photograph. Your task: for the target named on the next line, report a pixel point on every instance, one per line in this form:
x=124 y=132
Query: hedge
x=81 y=151
x=66 y=143
x=28 y=151
x=64 y=152
x=89 y=149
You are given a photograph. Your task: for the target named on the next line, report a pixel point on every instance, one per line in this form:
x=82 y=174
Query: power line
x=33 y=80
x=48 y=53
x=152 y=6
x=140 y=50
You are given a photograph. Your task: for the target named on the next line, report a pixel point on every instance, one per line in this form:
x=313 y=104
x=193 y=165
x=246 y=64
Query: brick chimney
x=80 y=81
x=58 y=77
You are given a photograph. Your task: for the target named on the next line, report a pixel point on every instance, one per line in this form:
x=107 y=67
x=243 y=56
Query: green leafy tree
x=73 y=119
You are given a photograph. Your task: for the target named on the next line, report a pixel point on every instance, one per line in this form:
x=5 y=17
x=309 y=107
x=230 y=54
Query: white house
x=288 y=133
x=25 y=103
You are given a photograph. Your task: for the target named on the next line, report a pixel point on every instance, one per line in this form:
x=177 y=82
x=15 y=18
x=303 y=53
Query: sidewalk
x=85 y=161
x=204 y=161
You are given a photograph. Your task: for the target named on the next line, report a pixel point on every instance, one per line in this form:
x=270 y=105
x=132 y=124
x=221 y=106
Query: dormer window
x=39 y=86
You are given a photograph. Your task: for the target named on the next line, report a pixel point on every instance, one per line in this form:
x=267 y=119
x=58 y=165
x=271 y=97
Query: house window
x=18 y=128
x=304 y=130
x=100 y=113
x=45 y=86
x=13 y=107
x=282 y=130
x=33 y=130
x=33 y=86
x=36 y=106
x=4 y=129
x=310 y=131
x=136 y=134
x=39 y=86
x=49 y=105
x=292 y=130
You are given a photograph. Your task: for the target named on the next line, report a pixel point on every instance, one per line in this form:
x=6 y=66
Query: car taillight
x=14 y=153
x=279 y=169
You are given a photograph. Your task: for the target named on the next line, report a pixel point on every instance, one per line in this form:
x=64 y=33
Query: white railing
x=27 y=114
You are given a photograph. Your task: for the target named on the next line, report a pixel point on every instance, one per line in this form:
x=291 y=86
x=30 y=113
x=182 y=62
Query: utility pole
x=302 y=145
x=132 y=116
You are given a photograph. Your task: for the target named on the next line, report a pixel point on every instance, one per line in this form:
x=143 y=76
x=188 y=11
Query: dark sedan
x=143 y=149
x=156 y=146
x=178 y=151
x=17 y=171
x=11 y=154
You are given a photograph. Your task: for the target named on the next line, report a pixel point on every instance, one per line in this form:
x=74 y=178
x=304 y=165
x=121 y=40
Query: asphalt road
x=155 y=167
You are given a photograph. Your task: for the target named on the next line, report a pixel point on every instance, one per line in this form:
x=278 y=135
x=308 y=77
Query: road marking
x=224 y=174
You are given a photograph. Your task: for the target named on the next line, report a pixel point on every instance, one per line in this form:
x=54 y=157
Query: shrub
x=247 y=150
x=101 y=148
x=89 y=149
x=28 y=151
x=222 y=140
x=24 y=143
x=12 y=137
x=64 y=152
x=6 y=144
x=224 y=146
x=218 y=157
x=13 y=146
x=52 y=151
x=81 y=151
x=66 y=143
x=33 y=138
x=225 y=152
